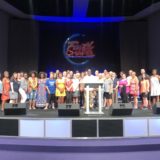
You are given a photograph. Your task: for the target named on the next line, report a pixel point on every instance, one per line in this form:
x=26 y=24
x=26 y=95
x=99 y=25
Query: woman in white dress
x=76 y=88
x=155 y=87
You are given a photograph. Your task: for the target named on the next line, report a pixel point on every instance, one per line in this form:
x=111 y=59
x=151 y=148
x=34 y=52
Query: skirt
x=76 y=94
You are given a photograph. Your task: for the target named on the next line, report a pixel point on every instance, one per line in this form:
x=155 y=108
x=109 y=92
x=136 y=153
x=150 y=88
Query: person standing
x=41 y=91
x=5 y=89
x=64 y=75
x=89 y=79
x=1 y=88
x=115 y=87
x=81 y=90
x=155 y=87
x=23 y=87
x=32 y=87
x=15 y=85
x=144 y=90
x=129 y=77
x=60 y=88
x=123 y=88
x=134 y=89
x=141 y=77
x=69 y=88
x=76 y=88
x=51 y=89
x=108 y=90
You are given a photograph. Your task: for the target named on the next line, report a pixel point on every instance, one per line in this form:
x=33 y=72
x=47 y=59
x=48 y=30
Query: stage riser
x=80 y=128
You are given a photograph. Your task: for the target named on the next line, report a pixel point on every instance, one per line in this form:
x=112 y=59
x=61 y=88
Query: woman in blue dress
x=41 y=91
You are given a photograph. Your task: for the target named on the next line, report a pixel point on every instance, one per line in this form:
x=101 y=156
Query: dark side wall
x=4 y=25
x=154 y=41
x=133 y=45
x=23 y=45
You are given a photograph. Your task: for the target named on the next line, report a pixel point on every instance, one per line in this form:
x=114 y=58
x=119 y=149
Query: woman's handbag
x=13 y=95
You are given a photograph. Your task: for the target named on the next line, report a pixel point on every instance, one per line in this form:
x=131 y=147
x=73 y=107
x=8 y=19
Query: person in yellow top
x=32 y=88
x=60 y=88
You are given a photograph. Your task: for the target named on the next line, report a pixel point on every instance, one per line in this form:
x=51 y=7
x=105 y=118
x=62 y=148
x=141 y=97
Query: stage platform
x=50 y=113
x=46 y=124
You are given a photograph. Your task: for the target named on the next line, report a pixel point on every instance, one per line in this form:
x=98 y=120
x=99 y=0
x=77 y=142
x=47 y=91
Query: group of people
x=69 y=87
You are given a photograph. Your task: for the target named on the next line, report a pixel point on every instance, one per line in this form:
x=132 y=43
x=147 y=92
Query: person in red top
x=6 y=89
x=69 y=88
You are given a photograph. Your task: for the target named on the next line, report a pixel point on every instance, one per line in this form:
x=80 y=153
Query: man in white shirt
x=89 y=78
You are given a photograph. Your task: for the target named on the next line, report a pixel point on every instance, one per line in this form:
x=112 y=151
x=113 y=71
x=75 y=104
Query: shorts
x=107 y=95
x=33 y=95
x=51 y=98
x=13 y=95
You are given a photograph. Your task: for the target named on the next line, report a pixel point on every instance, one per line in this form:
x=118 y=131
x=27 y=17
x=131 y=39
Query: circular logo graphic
x=78 y=49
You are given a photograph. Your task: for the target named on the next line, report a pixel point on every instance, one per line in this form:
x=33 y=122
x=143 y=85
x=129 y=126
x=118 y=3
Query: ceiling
x=93 y=8
x=44 y=7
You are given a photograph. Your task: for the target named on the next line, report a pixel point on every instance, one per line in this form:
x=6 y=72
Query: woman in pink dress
x=134 y=88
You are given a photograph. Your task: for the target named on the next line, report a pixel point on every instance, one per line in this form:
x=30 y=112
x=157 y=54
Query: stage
x=41 y=123
x=43 y=135
x=50 y=113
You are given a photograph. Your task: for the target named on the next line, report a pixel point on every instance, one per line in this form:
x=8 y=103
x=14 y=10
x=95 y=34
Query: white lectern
x=89 y=87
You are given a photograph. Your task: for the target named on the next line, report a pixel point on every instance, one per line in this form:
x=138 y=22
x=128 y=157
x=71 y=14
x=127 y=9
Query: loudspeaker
x=156 y=108
x=15 y=109
x=121 y=109
x=68 y=110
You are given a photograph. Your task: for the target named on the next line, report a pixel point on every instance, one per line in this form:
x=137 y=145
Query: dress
x=155 y=86
x=60 y=85
x=41 y=93
x=6 y=89
x=144 y=88
x=134 y=88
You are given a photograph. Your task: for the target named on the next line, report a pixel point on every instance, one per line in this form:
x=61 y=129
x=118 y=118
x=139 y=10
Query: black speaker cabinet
x=68 y=110
x=121 y=109
x=15 y=109
x=156 y=108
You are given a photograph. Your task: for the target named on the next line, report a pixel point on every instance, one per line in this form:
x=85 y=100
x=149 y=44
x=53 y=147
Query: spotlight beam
x=80 y=8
